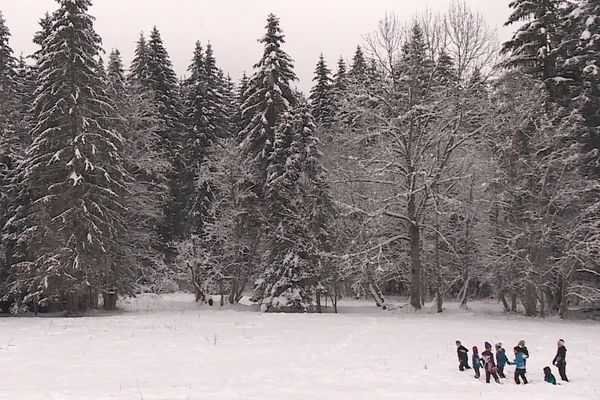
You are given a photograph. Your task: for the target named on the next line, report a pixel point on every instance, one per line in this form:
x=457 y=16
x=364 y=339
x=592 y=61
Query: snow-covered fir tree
x=206 y=120
x=535 y=44
x=583 y=62
x=147 y=167
x=322 y=95
x=268 y=96
x=75 y=174
x=8 y=119
x=138 y=70
x=298 y=210
x=358 y=68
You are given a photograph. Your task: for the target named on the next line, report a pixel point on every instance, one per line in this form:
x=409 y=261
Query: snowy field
x=171 y=348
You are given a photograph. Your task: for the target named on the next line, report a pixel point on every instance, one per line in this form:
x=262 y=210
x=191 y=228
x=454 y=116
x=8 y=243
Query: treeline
x=430 y=166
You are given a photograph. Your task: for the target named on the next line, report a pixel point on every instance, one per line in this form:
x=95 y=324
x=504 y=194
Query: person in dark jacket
x=560 y=360
x=476 y=360
x=463 y=357
x=501 y=360
x=520 y=369
x=488 y=364
x=548 y=376
x=523 y=348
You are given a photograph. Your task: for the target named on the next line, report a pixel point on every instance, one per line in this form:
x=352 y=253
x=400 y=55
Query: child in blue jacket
x=477 y=361
x=501 y=360
x=520 y=366
x=548 y=376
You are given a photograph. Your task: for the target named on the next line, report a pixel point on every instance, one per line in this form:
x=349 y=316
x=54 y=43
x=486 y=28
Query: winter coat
x=548 y=377
x=561 y=356
x=501 y=358
x=520 y=360
x=488 y=360
x=462 y=351
x=477 y=361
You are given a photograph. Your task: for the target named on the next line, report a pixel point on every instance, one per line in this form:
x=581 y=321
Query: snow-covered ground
x=169 y=348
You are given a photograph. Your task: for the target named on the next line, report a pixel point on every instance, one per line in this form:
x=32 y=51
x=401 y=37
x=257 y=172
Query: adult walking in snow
x=463 y=357
x=560 y=360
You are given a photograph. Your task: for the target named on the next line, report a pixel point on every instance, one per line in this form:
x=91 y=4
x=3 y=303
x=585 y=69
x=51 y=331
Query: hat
x=561 y=342
x=475 y=349
x=458 y=343
x=488 y=345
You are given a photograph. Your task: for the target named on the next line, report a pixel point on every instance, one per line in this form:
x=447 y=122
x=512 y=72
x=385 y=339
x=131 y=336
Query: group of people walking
x=494 y=366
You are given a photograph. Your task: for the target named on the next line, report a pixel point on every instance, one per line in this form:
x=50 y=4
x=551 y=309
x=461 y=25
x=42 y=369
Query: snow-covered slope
x=170 y=348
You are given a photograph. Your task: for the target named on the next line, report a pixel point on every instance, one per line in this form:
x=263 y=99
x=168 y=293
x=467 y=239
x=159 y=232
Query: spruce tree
x=535 y=44
x=9 y=117
x=321 y=95
x=269 y=95
x=240 y=99
x=299 y=212
x=359 y=68
x=138 y=71
x=340 y=79
x=75 y=175
x=8 y=92
x=152 y=71
x=163 y=84
x=206 y=123
x=136 y=118
x=44 y=33
x=583 y=60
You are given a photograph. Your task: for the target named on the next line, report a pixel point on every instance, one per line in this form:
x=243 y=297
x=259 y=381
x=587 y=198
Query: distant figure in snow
x=489 y=364
x=520 y=369
x=501 y=360
x=560 y=360
x=463 y=357
x=548 y=377
x=476 y=361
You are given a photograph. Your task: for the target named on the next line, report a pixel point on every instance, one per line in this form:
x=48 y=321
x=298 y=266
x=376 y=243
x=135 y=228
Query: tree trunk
x=439 y=296
x=564 y=293
x=465 y=291
x=318 y=294
x=467 y=257
x=504 y=302
x=73 y=304
x=110 y=300
x=415 y=266
x=530 y=300
x=513 y=302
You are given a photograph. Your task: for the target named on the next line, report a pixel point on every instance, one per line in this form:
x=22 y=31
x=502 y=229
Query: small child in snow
x=501 y=360
x=560 y=360
x=463 y=357
x=548 y=377
x=476 y=361
x=520 y=369
x=489 y=364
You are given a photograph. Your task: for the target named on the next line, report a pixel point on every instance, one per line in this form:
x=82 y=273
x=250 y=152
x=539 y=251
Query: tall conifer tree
x=74 y=173
x=321 y=95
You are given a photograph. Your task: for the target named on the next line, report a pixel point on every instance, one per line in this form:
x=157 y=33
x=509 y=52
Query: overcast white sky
x=333 y=27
